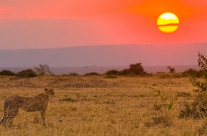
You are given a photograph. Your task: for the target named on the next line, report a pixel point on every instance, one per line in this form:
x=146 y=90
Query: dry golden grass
x=98 y=106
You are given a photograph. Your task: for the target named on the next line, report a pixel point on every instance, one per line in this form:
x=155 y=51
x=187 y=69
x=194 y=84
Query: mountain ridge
x=123 y=55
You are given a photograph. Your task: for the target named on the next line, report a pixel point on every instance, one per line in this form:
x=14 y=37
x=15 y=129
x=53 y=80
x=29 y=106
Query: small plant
x=26 y=73
x=7 y=73
x=169 y=104
x=163 y=111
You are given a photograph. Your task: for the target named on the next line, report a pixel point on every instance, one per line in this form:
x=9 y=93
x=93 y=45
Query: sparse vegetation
x=95 y=105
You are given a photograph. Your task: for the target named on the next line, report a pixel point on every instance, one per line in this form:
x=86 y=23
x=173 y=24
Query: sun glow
x=168 y=22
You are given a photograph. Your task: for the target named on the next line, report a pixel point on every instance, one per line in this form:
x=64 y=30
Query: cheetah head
x=49 y=91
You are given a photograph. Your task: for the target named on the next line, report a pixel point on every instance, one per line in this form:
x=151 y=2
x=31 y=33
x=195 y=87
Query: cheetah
x=14 y=103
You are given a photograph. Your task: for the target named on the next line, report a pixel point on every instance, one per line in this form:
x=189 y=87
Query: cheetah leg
x=11 y=115
x=4 y=118
x=42 y=113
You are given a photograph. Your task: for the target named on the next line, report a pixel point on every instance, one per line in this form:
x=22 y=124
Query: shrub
x=7 y=73
x=91 y=74
x=26 y=73
x=112 y=72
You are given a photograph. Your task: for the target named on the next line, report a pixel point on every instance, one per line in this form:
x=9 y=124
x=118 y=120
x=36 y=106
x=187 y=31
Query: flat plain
x=100 y=106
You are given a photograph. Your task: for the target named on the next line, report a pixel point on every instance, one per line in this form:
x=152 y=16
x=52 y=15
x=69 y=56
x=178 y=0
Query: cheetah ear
x=46 y=89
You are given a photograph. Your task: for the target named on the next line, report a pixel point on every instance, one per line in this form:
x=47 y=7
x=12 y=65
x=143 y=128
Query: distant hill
x=102 y=57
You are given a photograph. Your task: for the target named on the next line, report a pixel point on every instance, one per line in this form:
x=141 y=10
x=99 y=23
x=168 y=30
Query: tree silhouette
x=42 y=69
x=172 y=70
x=136 y=69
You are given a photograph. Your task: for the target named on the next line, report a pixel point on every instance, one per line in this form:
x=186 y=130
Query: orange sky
x=61 y=23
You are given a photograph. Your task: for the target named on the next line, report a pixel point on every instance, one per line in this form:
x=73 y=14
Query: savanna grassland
x=99 y=106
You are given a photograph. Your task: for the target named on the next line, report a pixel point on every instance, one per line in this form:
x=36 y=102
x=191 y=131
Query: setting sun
x=168 y=22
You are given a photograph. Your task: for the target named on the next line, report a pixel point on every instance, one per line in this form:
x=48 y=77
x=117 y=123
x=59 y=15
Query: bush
x=26 y=73
x=112 y=72
x=7 y=73
x=91 y=74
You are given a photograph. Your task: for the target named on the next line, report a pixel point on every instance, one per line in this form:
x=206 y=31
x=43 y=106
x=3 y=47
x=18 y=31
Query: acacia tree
x=42 y=69
x=136 y=69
